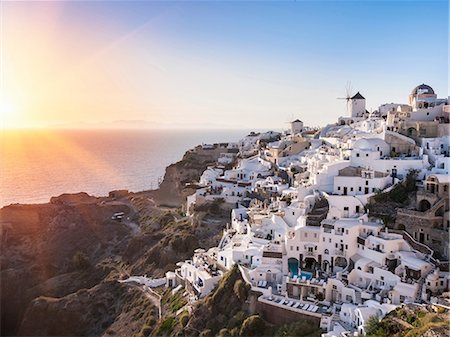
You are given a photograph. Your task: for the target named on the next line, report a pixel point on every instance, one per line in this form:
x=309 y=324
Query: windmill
x=289 y=121
x=349 y=94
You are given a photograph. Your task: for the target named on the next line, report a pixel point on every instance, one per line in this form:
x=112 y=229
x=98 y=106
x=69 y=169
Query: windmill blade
x=349 y=89
x=290 y=119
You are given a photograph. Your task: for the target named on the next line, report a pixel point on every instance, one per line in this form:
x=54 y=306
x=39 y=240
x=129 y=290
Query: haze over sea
x=38 y=164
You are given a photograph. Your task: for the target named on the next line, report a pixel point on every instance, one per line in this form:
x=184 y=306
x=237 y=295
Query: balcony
x=308 y=253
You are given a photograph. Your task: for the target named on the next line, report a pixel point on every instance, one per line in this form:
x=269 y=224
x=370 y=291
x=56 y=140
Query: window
x=373 y=189
x=336 y=245
x=357 y=207
x=329 y=240
x=292 y=248
x=357 y=154
x=327 y=251
x=346 y=231
x=346 y=208
x=323 y=239
x=367 y=154
x=298 y=248
x=351 y=189
x=367 y=182
x=306 y=235
x=315 y=235
x=360 y=188
x=339 y=188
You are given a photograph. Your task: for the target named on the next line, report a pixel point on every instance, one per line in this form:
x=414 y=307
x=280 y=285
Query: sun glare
x=8 y=112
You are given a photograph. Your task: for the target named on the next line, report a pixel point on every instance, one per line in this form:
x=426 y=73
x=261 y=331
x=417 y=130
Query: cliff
x=60 y=261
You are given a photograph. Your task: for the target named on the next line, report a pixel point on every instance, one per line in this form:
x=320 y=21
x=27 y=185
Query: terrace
x=302 y=307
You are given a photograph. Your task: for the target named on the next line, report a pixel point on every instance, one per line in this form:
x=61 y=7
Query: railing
x=415 y=244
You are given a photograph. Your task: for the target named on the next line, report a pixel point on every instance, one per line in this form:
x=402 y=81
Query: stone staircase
x=421 y=283
x=318 y=213
x=358 y=297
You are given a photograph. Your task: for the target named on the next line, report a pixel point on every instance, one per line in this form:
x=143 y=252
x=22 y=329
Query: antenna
x=349 y=94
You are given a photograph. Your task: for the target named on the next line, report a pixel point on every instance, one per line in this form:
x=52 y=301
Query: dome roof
x=423 y=88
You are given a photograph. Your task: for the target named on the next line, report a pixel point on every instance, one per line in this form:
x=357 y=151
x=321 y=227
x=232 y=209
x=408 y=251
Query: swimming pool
x=306 y=274
x=294 y=271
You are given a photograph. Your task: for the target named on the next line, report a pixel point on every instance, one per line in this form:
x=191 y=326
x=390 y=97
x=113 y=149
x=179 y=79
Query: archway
x=412 y=132
x=439 y=211
x=310 y=263
x=424 y=205
x=401 y=227
x=340 y=262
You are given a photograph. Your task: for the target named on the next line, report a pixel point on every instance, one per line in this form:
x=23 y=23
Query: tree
x=253 y=326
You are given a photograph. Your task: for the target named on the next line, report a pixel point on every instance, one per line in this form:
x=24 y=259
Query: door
x=421 y=237
x=345 y=190
x=366 y=190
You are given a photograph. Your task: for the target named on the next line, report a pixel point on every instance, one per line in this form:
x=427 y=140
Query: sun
x=8 y=112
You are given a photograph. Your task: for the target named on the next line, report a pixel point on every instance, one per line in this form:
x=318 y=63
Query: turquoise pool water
x=306 y=274
x=293 y=270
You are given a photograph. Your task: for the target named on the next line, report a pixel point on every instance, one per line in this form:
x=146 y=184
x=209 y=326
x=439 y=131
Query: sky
x=213 y=64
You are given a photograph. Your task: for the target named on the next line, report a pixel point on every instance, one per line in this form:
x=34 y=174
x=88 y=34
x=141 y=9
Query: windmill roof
x=358 y=96
x=297 y=121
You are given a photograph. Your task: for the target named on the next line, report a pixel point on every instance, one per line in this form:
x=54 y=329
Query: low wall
x=278 y=315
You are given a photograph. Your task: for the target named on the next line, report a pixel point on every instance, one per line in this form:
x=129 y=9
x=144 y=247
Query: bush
x=253 y=326
x=299 y=328
x=166 y=326
x=240 y=290
x=206 y=333
x=81 y=261
x=374 y=328
x=224 y=333
x=145 y=331
x=184 y=319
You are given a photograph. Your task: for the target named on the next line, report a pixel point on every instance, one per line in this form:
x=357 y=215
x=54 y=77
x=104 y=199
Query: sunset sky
x=213 y=64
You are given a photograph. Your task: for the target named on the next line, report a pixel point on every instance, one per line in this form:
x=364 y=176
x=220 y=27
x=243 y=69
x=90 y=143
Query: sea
x=38 y=164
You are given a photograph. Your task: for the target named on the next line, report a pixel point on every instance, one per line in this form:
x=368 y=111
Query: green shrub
x=299 y=328
x=166 y=326
x=184 y=319
x=253 y=326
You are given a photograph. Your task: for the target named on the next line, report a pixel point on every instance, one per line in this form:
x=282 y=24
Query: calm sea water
x=36 y=165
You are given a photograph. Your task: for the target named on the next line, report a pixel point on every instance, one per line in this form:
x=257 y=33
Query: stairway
x=421 y=283
x=318 y=213
x=358 y=297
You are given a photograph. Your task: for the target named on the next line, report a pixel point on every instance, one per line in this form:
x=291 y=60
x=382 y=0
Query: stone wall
x=277 y=315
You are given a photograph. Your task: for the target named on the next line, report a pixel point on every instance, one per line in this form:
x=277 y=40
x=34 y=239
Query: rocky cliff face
x=60 y=261
x=173 y=189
